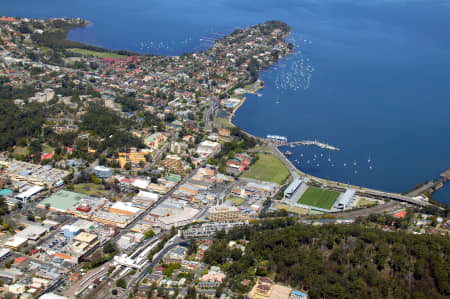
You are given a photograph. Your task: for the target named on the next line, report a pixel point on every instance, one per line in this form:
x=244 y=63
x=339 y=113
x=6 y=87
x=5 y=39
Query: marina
x=292 y=144
x=314 y=142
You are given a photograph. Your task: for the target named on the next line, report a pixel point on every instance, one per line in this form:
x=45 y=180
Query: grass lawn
x=268 y=168
x=95 y=53
x=291 y=209
x=47 y=149
x=222 y=122
x=21 y=151
x=366 y=203
x=320 y=198
x=237 y=201
x=91 y=189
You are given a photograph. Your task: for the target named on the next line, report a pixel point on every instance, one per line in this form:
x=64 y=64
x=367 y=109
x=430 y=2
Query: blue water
x=372 y=77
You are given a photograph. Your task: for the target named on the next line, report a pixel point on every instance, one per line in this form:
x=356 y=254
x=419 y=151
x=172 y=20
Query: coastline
x=254 y=88
x=258 y=85
x=294 y=169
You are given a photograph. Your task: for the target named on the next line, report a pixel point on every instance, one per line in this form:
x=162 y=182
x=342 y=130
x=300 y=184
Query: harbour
x=358 y=88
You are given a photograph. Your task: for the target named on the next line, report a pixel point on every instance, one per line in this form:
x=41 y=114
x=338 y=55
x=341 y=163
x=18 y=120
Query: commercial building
x=71 y=231
x=15 y=243
x=52 y=296
x=61 y=201
x=209 y=229
x=32 y=232
x=175 y=255
x=225 y=213
x=29 y=193
x=44 y=176
x=206 y=149
x=71 y=250
x=145 y=199
x=102 y=172
x=124 y=208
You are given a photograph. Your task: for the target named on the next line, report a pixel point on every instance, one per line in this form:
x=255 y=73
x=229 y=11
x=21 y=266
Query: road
x=133 y=283
x=378 y=209
x=209 y=113
x=331 y=184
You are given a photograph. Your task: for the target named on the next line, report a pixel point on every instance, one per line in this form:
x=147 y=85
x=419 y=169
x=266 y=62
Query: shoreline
x=254 y=90
x=297 y=170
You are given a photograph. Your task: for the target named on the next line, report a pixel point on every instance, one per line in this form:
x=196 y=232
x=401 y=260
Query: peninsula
x=121 y=176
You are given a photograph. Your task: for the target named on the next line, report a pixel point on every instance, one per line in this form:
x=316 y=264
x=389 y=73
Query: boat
x=288 y=153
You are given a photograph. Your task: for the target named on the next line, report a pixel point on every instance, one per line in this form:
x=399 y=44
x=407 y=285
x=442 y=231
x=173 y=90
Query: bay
x=370 y=77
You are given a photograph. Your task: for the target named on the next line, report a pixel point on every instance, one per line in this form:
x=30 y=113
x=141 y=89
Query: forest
x=335 y=261
x=16 y=123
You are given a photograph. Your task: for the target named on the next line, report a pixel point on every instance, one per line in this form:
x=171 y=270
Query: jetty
x=362 y=191
x=313 y=142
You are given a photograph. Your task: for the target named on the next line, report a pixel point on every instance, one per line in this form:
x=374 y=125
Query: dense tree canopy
x=337 y=261
x=16 y=123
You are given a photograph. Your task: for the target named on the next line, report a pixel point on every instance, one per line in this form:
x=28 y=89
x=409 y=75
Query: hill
x=336 y=261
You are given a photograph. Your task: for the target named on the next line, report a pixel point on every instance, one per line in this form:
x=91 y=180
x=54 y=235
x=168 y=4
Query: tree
x=148 y=234
x=121 y=283
x=109 y=248
x=191 y=293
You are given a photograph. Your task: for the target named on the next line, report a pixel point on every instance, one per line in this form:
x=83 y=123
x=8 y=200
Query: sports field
x=268 y=168
x=320 y=198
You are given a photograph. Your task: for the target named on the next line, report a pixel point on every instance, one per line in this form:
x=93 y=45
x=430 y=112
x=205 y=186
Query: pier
x=283 y=141
x=371 y=193
x=313 y=142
